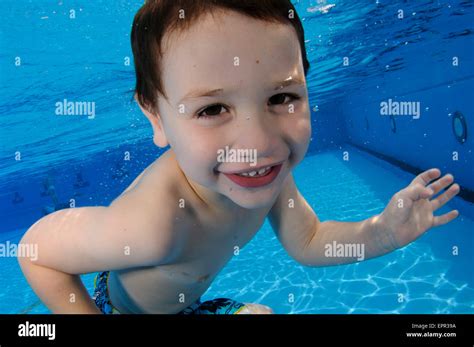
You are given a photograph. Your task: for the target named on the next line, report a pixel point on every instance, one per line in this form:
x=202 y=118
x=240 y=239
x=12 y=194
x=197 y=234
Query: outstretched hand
x=410 y=211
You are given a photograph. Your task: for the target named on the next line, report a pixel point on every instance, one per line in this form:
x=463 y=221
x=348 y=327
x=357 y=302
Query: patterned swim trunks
x=215 y=306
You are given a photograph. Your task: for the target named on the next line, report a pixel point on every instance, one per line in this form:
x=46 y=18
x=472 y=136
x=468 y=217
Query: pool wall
x=426 y=75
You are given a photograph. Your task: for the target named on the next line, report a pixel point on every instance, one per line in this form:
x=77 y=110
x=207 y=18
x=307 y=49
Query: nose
x=257 y=133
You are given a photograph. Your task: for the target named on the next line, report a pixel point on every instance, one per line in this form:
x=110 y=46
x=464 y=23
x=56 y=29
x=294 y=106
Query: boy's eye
x=216 y=109
x=211 y=111
x=279 y=99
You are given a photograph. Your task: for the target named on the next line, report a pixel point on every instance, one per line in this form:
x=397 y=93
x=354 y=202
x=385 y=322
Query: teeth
x=260 y=172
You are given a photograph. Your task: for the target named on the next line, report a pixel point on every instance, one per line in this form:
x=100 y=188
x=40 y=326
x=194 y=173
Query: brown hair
x=157 y=17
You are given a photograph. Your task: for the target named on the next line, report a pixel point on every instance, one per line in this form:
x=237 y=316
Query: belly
x=171 y=288
x=163 y=289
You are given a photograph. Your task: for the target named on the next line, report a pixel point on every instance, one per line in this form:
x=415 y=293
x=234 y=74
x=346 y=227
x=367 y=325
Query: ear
x=159 y=136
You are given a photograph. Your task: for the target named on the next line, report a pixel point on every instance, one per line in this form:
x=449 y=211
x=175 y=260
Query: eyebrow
x=292 y=80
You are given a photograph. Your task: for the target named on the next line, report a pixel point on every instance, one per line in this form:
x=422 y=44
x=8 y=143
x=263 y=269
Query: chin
x=253 y=200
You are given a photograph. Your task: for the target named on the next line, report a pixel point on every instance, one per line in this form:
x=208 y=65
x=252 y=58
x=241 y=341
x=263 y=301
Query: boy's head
x=225 y=74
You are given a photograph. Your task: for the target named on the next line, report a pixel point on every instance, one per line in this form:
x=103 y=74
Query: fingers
x=417 y=191
x=441 y=183
x=442 y=199
x=426 y=177
x=445 y=218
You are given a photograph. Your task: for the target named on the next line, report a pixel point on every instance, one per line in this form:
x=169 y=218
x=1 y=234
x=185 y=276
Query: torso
x=208 y=246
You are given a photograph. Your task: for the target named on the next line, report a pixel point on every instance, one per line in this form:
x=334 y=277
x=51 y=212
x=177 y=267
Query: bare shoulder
x=149 y=209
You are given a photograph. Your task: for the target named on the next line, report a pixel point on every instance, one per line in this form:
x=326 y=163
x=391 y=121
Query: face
x=234 y=83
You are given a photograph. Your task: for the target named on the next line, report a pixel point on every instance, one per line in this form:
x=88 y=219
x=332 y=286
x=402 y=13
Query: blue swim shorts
x=215 y=306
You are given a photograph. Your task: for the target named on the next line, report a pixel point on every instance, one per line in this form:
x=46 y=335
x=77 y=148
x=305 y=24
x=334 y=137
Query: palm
x=410 y=211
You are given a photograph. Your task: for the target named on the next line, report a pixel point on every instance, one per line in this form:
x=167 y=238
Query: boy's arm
x=407 y=216
x=128 y=233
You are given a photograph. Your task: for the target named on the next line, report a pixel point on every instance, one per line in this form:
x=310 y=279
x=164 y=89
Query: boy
x=211 y=75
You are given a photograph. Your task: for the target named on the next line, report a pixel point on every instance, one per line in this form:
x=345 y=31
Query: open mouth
x=255 y=178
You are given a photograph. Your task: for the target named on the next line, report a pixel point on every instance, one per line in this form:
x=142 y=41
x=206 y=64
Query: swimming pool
x=74 y=58
x=420 y=278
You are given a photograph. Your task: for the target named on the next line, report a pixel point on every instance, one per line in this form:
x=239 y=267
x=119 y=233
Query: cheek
x=297 y=135
x=298 y=131
x=303 y=127
x=303 y=135
x=196 y=152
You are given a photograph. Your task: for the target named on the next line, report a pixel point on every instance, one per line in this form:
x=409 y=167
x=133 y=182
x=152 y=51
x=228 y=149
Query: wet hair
x=156 y=18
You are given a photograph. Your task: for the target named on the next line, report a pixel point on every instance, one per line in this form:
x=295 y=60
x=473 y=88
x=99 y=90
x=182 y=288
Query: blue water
x=84 y=58
x=426 y=274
